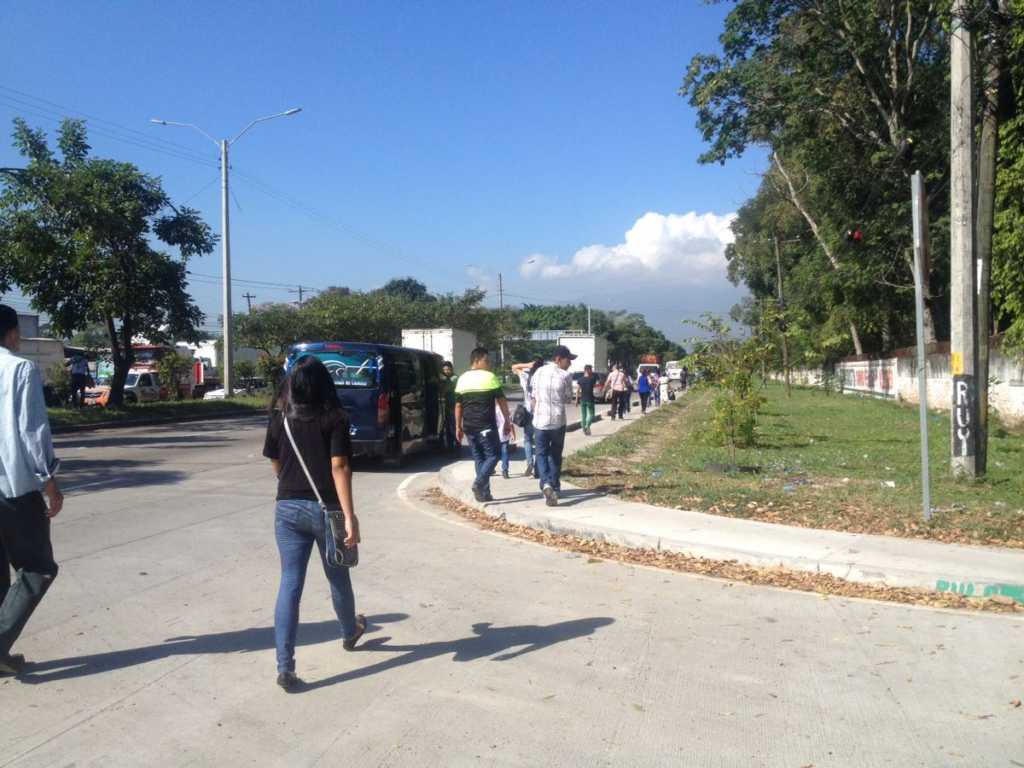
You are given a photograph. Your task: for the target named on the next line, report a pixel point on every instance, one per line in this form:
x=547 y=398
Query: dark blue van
x=392 y=394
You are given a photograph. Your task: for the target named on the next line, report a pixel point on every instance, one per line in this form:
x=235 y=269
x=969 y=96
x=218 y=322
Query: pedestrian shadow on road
x=105 y=474
x=486 y=641
x=239 y=641
x=566 y=498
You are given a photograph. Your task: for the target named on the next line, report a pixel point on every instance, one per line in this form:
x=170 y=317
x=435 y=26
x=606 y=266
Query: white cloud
x=677 y=248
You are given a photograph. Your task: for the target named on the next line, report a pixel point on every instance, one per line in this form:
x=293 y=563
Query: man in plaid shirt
x=551 y=388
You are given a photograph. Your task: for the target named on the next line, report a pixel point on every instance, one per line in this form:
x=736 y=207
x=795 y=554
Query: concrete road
x=155 y=645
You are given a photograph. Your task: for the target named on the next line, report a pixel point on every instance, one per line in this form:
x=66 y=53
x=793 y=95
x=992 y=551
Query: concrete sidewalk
x=969 y=570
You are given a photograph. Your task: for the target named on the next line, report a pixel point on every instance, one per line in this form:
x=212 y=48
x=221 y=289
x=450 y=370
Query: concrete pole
x=225 y=234
x=501 y=319
x=963 y=343
x=919 y=202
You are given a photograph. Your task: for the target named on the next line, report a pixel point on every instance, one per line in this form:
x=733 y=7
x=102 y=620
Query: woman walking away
x=643 y=388
x=655 y=379
x=308 y=405
x=525 y=373
x=507 y=440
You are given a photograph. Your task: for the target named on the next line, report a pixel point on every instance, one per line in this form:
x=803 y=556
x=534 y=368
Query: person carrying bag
x=310 y=449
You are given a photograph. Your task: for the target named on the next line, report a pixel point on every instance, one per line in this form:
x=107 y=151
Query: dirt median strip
x=729 y=570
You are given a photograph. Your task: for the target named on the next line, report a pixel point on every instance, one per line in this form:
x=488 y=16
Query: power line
x=39 y=103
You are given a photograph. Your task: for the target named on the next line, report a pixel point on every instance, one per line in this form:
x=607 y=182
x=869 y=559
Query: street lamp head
x=293 y=111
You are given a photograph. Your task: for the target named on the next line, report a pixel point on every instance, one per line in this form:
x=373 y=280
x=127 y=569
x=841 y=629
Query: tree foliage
x=79 y=235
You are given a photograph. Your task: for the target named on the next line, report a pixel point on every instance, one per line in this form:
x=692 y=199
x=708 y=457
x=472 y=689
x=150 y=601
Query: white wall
x=896 y=377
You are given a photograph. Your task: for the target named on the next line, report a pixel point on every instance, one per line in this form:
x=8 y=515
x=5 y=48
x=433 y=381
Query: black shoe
x=504 y=473
x=289 y=681
x=478 y=494
x=349 y=643
x=487 y=496
x=529 y=471
x=11 y=665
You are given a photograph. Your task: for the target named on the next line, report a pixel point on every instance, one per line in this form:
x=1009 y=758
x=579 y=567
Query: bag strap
x=302 y=463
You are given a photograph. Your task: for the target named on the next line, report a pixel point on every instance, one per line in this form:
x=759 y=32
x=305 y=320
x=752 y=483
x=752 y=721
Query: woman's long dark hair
x=307 y=387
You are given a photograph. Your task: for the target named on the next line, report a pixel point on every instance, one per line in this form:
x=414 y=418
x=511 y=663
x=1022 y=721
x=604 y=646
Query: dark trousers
x=549 y=446
x=619 y=402
x=79 y=383
x=486 y=448
x=645 y=398
x=25 y=540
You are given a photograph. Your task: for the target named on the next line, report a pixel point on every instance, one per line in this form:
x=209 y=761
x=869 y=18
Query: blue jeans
x=486 y=448
x=504 y=456
x=528 y=433
x=298 y=524
x=550 y=443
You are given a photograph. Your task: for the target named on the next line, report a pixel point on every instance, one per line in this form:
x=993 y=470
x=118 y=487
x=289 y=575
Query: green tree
x=848 y=98
x=273 y=328
x=78 y=234
x=1008 y=242
x=92 y=337
x=408 y=288
x=175 y=372
x=728 y=364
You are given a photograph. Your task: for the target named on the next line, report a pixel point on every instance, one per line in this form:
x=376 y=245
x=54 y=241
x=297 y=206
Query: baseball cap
x=563 y=351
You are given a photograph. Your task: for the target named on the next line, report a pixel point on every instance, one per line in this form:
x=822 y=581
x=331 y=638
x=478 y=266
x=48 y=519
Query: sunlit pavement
x=155 y=645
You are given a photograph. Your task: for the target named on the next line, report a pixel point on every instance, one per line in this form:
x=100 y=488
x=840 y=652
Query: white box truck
x=450 y=343
x=589 y=349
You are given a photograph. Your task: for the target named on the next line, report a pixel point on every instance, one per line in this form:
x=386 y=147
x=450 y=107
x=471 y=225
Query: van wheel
x=130 y=398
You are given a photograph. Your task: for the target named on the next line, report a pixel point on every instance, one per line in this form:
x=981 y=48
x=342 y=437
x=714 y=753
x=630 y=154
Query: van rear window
x=351 y=370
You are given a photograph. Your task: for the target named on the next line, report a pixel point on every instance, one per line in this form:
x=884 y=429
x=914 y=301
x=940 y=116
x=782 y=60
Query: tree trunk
x=794 y=198
x=782 y=317
x=123 y=358
x=987 y=151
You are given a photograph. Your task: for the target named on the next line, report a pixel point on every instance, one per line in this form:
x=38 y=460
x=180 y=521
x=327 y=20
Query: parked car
x=139 y=387
x=392 y=394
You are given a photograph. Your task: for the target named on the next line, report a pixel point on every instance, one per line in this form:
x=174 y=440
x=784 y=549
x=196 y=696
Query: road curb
x=104 y=425
x=971 y=571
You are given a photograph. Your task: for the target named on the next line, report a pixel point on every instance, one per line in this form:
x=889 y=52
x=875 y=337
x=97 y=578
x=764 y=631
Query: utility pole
x=963 y=342
x=248 y=300
x=588 y=321
x=225 y=239
x=301 y=291
x=501 y=318
x=919 y=202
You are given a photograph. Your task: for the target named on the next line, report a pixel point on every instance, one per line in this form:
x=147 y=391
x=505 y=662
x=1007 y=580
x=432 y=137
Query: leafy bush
x=728 y=364
x=174 y=370
x=60 y=382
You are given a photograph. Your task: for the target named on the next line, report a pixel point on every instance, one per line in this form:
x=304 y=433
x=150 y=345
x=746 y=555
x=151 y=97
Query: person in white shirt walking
x=27 y=472
x=551 y=390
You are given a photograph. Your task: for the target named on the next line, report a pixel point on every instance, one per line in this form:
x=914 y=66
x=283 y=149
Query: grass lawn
x=63 y=417
x=840 y=462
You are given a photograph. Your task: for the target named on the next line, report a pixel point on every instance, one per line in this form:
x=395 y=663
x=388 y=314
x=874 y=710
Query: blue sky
x=521 y=138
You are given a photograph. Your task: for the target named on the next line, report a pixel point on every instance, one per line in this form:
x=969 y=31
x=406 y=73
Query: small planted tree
x=727 y=364
x=174 y=370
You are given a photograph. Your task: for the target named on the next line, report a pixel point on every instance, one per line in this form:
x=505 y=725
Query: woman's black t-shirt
x=320 y=437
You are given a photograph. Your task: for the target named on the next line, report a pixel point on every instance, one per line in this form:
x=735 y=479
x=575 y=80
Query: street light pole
x=228 y=356
x=225 y=230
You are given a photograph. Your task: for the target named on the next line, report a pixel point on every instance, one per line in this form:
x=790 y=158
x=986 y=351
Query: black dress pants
x=25 y=541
